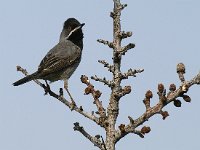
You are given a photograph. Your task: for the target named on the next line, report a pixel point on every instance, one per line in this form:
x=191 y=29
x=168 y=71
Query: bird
x=63 y=59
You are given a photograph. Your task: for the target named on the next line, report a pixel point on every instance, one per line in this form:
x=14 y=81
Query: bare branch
x=94 y=140
x=113 y=107
x=157 y=109
x=110 y=44
x=62 y=99
x=120 y=134
x=108 y=118
x=131 y=73
x=96 y=94
x=106 y=82
x=195 y=80
x=107 y=65
x=126 y=90
x=123 y=6
x=124 y=34
x=126 y=48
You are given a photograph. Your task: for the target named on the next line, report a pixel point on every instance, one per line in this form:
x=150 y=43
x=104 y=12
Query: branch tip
x=131 y=72
x=180 y=69
x=149 y=94
x=131 y=120
x=104 y=80
x=161 y=88
x=124 y=34
x=109 y=44
x=84 y=79
x=126 y=48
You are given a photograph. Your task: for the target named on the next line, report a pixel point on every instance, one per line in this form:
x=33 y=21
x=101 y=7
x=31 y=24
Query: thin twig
x=94 y=140
x=62 y=99
x=104 y=80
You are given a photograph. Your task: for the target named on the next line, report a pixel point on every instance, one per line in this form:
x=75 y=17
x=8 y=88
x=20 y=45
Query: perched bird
x=63 y=59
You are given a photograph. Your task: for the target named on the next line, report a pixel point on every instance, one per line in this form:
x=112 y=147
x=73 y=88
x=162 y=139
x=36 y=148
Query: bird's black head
x=72 y=30
x=71 y=23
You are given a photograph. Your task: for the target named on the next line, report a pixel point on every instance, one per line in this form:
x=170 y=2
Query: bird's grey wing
x=60 y=57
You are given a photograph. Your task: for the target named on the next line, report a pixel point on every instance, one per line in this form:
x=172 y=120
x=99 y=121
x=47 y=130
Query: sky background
x=165 y=33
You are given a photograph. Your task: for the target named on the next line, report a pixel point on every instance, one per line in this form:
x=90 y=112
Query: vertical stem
x=113 y=107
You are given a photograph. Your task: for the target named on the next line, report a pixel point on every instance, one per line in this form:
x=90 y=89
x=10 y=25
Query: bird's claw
x=46 y=88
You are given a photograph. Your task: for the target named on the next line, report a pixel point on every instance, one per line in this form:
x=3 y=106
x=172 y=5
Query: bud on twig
x=84 y=79
x=127 y=89
x=122 y=128
x=149 y=94
x=89 y=89
x=97 y=94
x=145 y=130
x=181 y=71
x=172 y=87
x=180 y=68
x=177 y=103
x=161 y=88
x=186 y=98
x=164 y=114
x=146 y=101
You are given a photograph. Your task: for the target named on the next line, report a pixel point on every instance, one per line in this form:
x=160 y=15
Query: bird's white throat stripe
x=75 y=29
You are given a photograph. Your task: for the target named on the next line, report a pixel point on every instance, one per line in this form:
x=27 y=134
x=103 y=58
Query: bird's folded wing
x=60 y=57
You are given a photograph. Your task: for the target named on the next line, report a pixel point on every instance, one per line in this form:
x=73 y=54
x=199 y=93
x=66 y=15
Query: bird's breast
x=69 y=71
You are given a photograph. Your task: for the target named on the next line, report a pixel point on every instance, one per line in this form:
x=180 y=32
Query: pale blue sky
x=165 y=33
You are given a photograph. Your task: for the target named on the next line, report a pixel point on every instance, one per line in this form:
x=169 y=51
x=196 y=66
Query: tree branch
x=106 y=82
x=62 y=99
x=157 y=109
x=95 y=94
x=108 y=118
x=107 y=65
x=126 y=48
x=109 y=44
x=131 y=72
x=124 y=34
x=96 y=141
x=113 y=107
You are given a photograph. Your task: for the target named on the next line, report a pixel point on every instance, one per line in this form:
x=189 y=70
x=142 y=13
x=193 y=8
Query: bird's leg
x=66 y=88
x=46 y=87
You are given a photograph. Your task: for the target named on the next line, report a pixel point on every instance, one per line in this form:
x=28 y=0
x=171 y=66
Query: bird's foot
x=46 y=88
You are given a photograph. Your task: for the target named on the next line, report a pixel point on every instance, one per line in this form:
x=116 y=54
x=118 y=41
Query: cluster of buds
x=146 y=101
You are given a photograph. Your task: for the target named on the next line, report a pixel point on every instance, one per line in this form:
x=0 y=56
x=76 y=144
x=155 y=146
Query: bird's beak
x=82 y=25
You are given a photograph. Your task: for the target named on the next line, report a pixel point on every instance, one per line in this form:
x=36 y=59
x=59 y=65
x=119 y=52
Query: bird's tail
x=26 y=79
